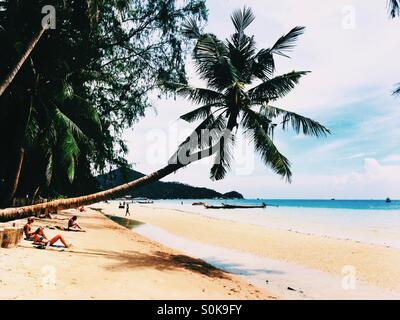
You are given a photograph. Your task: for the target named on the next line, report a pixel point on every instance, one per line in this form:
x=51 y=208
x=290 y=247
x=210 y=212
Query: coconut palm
x=241 y=89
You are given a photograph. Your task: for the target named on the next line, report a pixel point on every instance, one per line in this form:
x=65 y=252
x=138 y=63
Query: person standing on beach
x=127 y=210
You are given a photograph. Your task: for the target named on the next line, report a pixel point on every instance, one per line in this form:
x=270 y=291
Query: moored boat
x=199 y=203
x=145 y=202
x=234 y=206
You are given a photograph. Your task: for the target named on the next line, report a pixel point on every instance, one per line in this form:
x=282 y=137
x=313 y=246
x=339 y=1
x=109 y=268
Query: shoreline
x=292 y=230
x=375 y=265
x=111 y=262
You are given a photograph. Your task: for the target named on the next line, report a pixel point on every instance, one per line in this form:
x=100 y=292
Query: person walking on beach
x=127 y=210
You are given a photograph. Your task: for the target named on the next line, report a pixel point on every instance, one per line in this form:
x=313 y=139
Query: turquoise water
x=308 y=203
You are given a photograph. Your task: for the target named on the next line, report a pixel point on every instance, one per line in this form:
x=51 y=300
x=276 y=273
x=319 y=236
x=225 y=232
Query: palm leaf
x=263 y=64
x=196 y=95
x=212 y=62
x=190 y=29
x=287 y=42
x=241 y=19
x=277 y=87
x=49 y=169
x=298 y=123
x=264 y=145
x=199 y=113
x=397 y=90
x=205 y=134
x=68 y=123
x=394 y=8
x=69 y=150
x=223 y=158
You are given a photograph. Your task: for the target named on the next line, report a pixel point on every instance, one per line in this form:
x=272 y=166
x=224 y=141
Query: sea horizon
x=354 y=204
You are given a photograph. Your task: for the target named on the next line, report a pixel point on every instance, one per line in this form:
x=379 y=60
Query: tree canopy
x=85 y=82
x=241 y=92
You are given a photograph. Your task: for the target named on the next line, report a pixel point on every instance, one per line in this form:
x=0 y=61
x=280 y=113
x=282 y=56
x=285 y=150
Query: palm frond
x=68 y=123
x=199 y=113
x=241 y=54
x=397 y=90
x=196 y=95
x=287 y=42
x=223 y=157
x=190 y=29
x=69 y=151
x=241 y=19
x=277 y=87
x=211 y=57
x=394 y=8
x=264 y=120
x=263 y=65
x=204 y=135
x=264 y=145
x=49 y=169
x=298 y=123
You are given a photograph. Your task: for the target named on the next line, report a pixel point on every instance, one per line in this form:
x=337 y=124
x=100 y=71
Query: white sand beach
x=111 y=262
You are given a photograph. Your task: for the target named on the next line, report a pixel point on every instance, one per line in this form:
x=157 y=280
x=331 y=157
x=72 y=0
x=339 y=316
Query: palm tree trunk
x=10 y=77
x=12 y=181
x=62 y=204
x=17 y=174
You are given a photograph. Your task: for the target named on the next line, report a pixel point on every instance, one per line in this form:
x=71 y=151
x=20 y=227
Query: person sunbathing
x=73 y=226
x=38 y=236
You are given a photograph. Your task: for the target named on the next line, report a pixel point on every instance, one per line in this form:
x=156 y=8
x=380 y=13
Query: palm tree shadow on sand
x=158 y=260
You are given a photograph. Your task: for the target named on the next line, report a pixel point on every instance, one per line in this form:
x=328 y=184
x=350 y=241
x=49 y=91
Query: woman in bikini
x=38 y=236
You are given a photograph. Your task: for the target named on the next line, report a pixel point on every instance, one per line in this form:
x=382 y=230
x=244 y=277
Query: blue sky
x=350 y=48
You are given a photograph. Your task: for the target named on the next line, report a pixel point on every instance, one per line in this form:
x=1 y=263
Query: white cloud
x=392 y=158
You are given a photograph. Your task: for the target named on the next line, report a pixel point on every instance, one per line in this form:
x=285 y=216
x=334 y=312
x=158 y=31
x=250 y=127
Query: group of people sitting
x=39 y=238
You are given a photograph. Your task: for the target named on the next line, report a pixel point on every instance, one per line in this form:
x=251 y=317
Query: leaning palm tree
x=241 y=89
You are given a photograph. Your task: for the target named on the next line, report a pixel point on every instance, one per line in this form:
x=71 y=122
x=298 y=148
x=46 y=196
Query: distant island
x=159 y=189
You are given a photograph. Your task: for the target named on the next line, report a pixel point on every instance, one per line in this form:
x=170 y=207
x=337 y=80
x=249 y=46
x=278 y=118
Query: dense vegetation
x=85 y=81
x=159 y=189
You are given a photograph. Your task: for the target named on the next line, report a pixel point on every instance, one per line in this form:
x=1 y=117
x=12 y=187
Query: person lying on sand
x=38 y=236
x=73 y=226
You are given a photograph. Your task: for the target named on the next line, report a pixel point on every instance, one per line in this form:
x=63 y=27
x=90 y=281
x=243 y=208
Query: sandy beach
x=111 y=262
x=374 y=265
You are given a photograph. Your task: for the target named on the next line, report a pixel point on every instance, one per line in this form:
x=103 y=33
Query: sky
x=351 y=49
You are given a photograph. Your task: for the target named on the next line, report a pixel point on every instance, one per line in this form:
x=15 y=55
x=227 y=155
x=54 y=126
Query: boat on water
x=238 y=206
x=199 y=203
x=145 y=202
x=388 y=200
x=234 y=206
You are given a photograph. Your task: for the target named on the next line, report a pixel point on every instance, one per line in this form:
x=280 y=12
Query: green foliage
x=84 y=83
x=241 y=85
